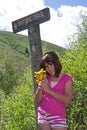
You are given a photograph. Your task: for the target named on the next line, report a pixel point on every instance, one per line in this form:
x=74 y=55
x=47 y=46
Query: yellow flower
x=40 y=75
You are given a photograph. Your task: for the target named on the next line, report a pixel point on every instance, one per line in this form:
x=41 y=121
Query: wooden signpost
x=31 y=22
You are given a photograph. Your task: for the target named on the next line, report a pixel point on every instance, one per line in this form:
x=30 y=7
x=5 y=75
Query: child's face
x=50 y=69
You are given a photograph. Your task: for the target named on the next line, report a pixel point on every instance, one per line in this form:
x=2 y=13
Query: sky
x=65 y=15
x=57 y=3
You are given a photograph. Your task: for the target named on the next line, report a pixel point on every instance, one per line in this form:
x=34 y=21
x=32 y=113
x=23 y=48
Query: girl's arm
x=65 y=98
x=39 y=95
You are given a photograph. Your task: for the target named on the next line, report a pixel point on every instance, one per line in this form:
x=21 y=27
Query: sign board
x=30 y=20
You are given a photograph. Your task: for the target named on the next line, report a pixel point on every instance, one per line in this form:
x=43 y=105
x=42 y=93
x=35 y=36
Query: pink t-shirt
x=49 y=104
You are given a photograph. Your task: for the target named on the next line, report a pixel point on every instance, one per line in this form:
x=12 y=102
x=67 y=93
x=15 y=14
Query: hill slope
x=19 y=44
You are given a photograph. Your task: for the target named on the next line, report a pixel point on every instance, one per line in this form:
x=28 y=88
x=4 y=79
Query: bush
x=17 y=110
x=74 y=62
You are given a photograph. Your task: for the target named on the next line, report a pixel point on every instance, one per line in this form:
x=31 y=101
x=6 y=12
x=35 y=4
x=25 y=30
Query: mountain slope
x=20 y=43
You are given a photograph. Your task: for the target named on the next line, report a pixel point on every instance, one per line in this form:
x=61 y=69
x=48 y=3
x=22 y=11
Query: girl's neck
x=56 y=79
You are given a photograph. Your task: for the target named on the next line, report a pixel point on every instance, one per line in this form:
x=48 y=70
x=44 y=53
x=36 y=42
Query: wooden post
x=36 y=54
x=31 y=22
x=35 y=49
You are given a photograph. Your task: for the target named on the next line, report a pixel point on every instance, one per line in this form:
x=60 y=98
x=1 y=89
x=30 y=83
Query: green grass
x=20 y=42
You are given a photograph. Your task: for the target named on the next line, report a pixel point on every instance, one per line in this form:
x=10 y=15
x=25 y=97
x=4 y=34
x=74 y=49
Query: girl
x=53 y=93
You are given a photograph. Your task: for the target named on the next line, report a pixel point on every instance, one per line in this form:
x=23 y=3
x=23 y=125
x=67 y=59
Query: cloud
x=63 y=24
x=56 y=30
x=15 y=9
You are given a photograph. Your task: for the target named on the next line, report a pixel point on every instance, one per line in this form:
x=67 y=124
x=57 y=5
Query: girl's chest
x=59 y=87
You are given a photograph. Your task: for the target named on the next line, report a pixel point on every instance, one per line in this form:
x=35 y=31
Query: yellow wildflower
x=40 y=75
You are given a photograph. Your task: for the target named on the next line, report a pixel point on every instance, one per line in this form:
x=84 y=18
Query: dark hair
x=51 y=58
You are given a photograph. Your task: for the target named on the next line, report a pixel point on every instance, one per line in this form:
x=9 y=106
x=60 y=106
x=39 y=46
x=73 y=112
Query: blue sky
x=65 y=14
x=57 y=3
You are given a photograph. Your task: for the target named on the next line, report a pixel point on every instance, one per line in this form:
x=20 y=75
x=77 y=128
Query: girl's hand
x=45 y=85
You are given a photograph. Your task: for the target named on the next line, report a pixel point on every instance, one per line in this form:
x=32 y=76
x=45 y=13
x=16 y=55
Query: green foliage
x=82 y=34
x=17 y=110
x=74 y=62
x=8 y=71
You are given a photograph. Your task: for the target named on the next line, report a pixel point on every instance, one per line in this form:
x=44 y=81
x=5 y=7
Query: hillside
x=19 y=44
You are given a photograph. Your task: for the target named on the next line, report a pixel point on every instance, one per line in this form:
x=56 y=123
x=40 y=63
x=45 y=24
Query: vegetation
x=75 y=63
x=17 y=110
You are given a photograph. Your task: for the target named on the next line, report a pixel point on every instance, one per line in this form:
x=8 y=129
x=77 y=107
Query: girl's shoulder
x=67 y=76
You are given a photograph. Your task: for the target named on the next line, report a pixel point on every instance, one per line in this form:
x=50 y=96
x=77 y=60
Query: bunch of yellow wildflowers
x=40 y=75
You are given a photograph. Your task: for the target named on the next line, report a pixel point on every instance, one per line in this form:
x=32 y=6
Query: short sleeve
x=67 y=77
